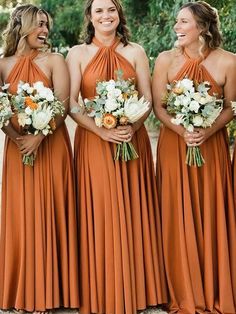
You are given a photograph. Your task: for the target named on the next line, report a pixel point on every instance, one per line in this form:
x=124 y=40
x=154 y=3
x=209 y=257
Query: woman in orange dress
x=38 y=245
x=198 y=216
x=121 y=263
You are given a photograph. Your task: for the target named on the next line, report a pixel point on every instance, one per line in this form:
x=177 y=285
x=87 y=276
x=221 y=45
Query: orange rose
x=177 y=90
x=52 y=124
x=109 y=121
x=124 y=120
x=29 y=103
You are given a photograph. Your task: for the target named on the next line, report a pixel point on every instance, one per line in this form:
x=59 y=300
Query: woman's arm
x=141 y=64
x=8 y=130
x=30 y=143
x=74 y=59
x=159 y=89
x=228 y=66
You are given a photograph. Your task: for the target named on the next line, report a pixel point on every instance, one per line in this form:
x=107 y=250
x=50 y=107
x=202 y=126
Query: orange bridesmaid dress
x=38 y=244
x=198 y=217
x=234 y=172
x=121 y=262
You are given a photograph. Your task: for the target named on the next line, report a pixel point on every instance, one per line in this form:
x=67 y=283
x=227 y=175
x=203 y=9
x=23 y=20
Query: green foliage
x=67 y=21
x=4 y=17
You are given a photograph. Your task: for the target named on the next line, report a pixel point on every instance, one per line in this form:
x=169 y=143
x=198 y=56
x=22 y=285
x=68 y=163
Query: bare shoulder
x=166 y=58
x=54 y=57
x=136 y=49
x=78 y=51
x=226 y=58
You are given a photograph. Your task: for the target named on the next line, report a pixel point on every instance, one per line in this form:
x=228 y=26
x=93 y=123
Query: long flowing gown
x=234 y=173
x=38 y=245
x=121 y=261
x=198 y=217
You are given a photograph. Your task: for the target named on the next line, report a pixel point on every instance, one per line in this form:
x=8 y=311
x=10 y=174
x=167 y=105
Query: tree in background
x=67 y=18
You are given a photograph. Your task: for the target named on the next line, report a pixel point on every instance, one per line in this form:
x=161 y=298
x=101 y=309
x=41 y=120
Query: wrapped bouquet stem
x=192 y=106
x=194 y=156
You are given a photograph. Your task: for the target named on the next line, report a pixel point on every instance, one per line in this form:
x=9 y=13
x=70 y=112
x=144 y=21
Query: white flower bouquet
x=192 y=107
x=117 y=104
x=5 y=106
x=36 y=108
x=233 y=105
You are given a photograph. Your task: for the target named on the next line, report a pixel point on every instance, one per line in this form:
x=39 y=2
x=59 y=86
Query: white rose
x=41 y=118
x=38 y=86
x=25 y=86
x=98 y=121
x=190 y=128
x=186 y=84
x=23 y=119
x=197 y=96
x=110 y=85
x=194 y=106
x=30 y=90
x=5 y=86
x=186 y=100
x=178 y=119
x=197 y=121
x=111 y=105
x=28 y=111
x=46 y=93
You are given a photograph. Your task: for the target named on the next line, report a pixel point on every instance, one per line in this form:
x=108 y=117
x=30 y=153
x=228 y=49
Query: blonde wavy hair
x=23 y=21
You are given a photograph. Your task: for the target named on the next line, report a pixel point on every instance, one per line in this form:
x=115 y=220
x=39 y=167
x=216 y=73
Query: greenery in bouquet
x=117 y=104
x=36 y=108
x=5 y=106
x=192 y=106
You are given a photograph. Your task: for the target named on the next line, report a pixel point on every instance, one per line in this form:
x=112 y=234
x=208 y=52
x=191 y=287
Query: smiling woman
x=38 y=241
x=198 y=215
x=121 y=262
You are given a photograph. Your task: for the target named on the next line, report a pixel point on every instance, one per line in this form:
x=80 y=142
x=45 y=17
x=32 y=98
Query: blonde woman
x=38 y=248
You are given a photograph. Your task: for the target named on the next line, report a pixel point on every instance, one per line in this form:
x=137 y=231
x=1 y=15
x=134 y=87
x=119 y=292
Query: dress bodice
x=26 y=70
x=193 y=69
x=103 y=67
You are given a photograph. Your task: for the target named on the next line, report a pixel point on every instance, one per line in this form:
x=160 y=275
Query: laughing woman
x=198 y=216
x=38 y=248
x=121 y=262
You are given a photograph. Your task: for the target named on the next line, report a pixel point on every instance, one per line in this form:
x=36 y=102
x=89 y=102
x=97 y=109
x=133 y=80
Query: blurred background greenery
x=150 y=21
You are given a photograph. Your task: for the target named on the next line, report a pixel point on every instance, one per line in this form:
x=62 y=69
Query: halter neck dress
x=121 y=261
x=198 y=217
x=38 y=244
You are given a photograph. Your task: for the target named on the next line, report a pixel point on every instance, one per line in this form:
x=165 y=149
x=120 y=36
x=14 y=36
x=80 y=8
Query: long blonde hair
x=22 y=22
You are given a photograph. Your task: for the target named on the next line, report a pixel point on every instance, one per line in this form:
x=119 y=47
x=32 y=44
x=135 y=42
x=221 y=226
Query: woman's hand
x=116 y=135
x=28 y=144
x=127 y=131
x=197 y=137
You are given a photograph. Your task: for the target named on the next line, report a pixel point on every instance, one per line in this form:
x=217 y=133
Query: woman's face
x=37 y=38
x=186 y=28
x=104 y=16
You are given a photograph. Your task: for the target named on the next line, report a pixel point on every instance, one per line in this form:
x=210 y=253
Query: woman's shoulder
x=225 y=57
x=78 y=50
x=135 y=48
x=51 y=56
x=166 y=58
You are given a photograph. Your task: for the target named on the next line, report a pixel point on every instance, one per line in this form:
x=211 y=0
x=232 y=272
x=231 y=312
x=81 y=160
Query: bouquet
x=233 y=105
x=117 y=104
x=192 y=106
x=36 y=108
x=5 y=106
